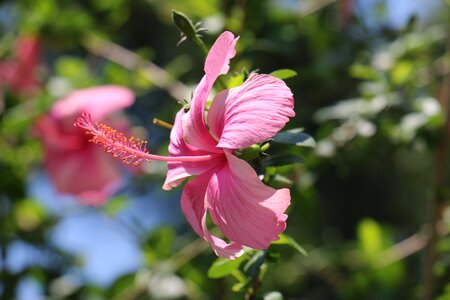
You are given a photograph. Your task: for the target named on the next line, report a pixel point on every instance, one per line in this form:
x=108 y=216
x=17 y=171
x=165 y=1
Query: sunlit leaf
x=363 y=72
x=402 y=72
x=370 y=237
x=284 y=73
x=235 y=81
x=223 y=267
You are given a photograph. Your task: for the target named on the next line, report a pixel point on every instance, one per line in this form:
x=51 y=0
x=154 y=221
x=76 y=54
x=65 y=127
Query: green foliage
x=159 y=245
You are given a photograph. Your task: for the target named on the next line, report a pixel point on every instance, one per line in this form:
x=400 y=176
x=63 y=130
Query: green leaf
x=284 y=73
x=363 y=72
x=158 y=245
x=282 y=160
x=121 y=284
x=240 y=285
x=29 y=214
x=370 y=237
x=287 y=240
x=75 y=70
x=235 y=81
x=223 y=267
x=294 y=137
x=253 y=266
x=402 y=72
x=115 y=205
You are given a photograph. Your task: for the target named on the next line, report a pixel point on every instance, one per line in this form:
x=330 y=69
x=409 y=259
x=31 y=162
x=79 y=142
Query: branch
x=408 y=246
x=131 y=61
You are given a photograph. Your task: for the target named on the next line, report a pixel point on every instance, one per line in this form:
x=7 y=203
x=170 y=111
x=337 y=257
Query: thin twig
x=131 y=61
x=189 y=252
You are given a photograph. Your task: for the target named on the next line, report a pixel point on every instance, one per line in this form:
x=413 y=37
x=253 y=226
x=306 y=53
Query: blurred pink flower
x=74 y=165
x=19 y=73
x=247 y=212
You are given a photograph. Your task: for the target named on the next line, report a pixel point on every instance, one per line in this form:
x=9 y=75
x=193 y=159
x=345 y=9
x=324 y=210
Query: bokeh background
x=369 y=202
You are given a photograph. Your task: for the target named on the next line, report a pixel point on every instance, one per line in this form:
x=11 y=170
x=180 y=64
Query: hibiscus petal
x=193 y=123
x=178 y=171
x=98 y=101
x=219 y=56
x=193 y=207
x=87 y=174
x=250 y=113
x=217 y=63
x=246 y=210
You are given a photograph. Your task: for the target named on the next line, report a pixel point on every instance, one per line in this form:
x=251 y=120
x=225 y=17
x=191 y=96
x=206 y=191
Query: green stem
x=201 y=44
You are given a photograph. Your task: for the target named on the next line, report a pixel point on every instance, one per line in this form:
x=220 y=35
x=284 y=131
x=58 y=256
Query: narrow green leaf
x=223 y=267
x=284 y=73
x=287 y=240
x=253 y=266
x=294 y=137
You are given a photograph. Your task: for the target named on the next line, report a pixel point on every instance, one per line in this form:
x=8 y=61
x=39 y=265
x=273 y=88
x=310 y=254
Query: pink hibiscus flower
x=248 y=212
x=75 y=166
x=19 y=74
